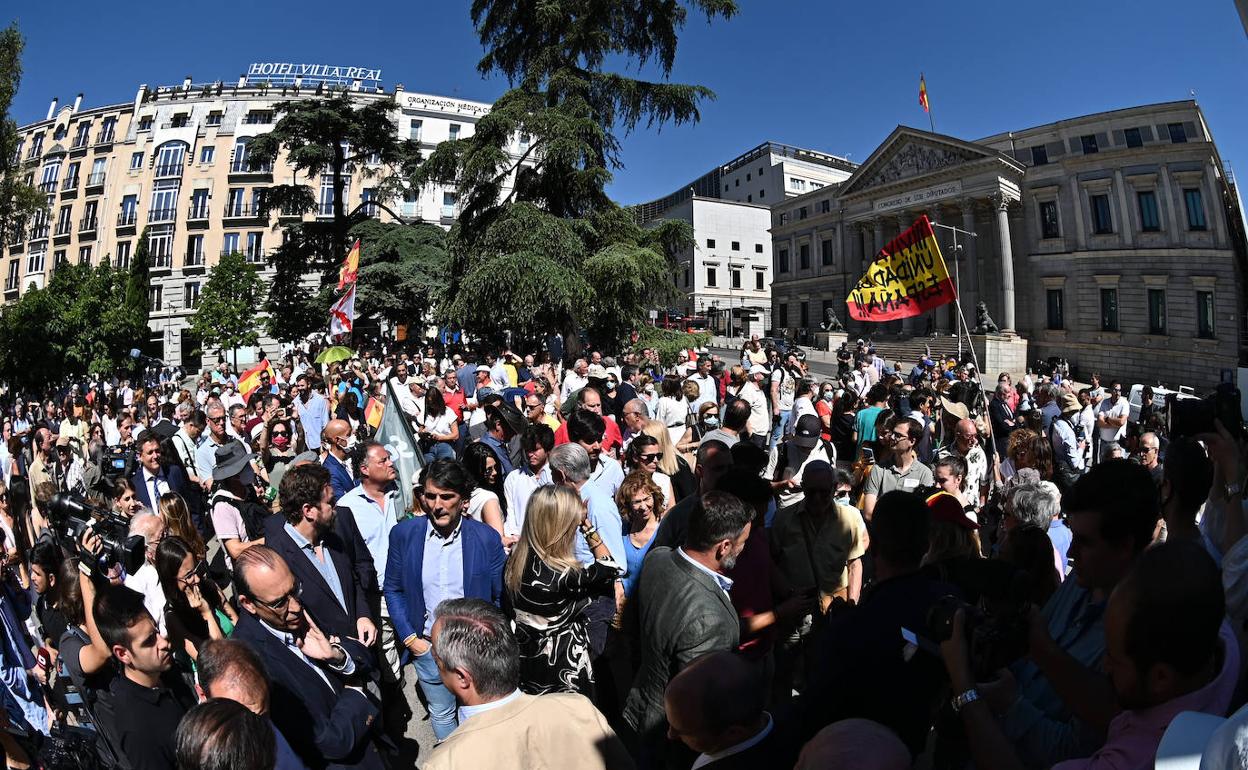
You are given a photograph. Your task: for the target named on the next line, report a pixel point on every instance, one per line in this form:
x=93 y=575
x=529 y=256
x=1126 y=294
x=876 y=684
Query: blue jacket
x=339 y=477
x=484 y=558
x=178 y=482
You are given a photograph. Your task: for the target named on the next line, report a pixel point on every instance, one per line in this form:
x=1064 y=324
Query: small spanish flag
x=922 y=97
x=373 y=412
x=350 y=269
x=249 y=380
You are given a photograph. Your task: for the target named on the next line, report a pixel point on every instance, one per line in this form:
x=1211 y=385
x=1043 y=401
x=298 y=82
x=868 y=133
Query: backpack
x=251 y=511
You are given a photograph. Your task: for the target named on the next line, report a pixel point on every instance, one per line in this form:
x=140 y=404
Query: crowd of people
x=616 y=562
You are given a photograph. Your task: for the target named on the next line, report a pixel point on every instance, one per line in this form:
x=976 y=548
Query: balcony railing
x=63 y=228
x=194 y=259
x=47 y=187
x=197 y=212
x=106 y=137
x=38 y=232
x=96 y=179
x=169 y=169
x=228 y=251
x=161 y=215
x=127 y=218
x=87 y=224
x=241 y=211
x=244 y=166
x=160 y=261
x=254 y=255
x=325 y=210
x=80 y=141
x=11 y=283
x=70 y=183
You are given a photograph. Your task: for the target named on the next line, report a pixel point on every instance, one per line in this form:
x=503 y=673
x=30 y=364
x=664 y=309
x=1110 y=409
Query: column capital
x=1000 y=200
x=968 y=204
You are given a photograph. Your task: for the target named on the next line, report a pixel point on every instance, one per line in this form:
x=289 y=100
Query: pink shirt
x=1134 y=735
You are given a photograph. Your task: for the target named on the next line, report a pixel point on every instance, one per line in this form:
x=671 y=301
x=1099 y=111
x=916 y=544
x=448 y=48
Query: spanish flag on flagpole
x=350 y=269
x=250 y=379
x=923 y=94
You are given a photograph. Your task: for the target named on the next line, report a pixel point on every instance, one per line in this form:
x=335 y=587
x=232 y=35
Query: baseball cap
x=806 y=434
x=757 y=369
x=948 y=509
x=597 y=372
x=482 y=368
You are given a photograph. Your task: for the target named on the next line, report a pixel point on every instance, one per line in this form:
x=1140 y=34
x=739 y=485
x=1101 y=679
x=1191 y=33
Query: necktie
x=155 y=493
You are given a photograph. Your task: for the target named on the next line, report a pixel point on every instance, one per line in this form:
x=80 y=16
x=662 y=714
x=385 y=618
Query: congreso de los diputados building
x=1113 y=240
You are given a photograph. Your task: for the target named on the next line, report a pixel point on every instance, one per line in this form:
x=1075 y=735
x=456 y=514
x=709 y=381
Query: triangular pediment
x=909 y=153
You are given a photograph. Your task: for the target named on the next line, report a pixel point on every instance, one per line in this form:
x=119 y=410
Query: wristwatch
x=960 y=702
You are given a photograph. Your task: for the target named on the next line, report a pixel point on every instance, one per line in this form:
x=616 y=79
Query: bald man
x=854 y=744
x=966 y=445
x=715 y=707
x=338 y=441
x=228 y=668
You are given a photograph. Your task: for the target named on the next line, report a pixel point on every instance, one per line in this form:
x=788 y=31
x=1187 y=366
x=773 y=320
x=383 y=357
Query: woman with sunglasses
x=195 y=609
x=643 y=455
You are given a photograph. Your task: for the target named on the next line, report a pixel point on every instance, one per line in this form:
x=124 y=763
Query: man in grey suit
x=685 y=611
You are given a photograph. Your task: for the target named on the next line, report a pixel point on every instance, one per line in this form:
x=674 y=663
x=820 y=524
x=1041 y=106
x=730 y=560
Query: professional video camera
x=1192 y=416
x=70 y=516
x=118 y=462
x=997 y=627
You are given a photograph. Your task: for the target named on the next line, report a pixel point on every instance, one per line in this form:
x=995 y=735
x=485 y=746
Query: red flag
x=249 y=380
x=350 y=269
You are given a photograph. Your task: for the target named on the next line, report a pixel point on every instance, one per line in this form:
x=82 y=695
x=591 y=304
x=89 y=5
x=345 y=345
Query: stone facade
x=1113 y=240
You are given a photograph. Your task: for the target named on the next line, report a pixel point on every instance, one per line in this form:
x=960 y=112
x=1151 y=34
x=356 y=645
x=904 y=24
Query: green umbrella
x=335 y=353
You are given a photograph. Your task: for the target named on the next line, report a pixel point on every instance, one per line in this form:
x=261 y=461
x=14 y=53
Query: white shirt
x=760 y=415
x=787 y=387
x=518 y=487
x=147 y=582
x=374 y=523
x=1120 y=409
x=468 y=712
x=723 y=581
x=609 y=475
x=572 y=382
x=708 y=391
x=706 y=759
x=162 y=486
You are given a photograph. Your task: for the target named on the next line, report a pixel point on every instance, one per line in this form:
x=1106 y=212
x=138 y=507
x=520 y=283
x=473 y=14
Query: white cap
x=757 y=369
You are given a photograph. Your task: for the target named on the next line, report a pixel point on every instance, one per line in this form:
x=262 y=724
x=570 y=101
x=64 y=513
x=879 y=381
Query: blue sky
x=827 y=75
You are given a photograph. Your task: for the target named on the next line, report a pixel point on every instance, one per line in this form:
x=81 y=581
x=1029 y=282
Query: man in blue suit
x=336 y=438
x=151 y=479
x=435 y=557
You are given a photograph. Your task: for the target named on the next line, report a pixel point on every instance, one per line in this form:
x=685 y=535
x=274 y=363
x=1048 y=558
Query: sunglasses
x=648 y=458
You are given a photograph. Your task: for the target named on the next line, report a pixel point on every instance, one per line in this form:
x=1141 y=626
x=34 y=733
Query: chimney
x=77 y=102
x=187 y=83
x=355 y=86
x=52 y=108
x=242 y=81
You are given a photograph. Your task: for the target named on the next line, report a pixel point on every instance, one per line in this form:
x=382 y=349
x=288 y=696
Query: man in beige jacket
x=499 y=726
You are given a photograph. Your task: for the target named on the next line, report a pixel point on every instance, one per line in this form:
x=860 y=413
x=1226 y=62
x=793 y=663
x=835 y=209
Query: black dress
x=551 y=627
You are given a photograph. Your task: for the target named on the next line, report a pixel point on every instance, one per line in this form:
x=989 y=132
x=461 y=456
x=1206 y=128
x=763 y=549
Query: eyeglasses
x=277 y=433
x=200 y=570
x=217 y=420
x=282 y=603
x=648 y=458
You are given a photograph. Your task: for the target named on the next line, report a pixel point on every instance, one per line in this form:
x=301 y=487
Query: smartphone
x=868 y=454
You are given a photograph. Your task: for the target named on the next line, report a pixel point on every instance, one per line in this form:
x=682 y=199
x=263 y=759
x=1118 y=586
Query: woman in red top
x=823 y=408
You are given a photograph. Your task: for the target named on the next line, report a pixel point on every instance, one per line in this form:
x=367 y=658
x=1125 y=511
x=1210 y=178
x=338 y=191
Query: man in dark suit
x=334 y=591
x=716 y=707
x=684 y=611
x=1002 y=417
x=151 y=479
x=318 y=699
x=435 y=557
x=336 y=439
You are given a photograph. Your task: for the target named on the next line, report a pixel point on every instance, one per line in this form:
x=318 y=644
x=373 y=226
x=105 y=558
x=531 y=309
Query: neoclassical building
x=174 y=160
x=1114 y=240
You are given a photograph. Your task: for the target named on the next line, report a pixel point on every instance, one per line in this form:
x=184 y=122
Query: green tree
x=554 y=53
x=138 y=280
x=18 y=200
x=228 y=304
x=402 y=269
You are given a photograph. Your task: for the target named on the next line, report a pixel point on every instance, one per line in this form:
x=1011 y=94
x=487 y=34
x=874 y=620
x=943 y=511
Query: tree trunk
x=340 y=211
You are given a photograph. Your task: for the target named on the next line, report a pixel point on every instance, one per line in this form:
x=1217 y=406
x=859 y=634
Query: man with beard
x=685 y=612
x=304 y=535
x=312 y=409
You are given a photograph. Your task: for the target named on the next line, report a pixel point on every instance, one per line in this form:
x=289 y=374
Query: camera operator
x=148 y=698
x=1057 y=704
x=1168 y=650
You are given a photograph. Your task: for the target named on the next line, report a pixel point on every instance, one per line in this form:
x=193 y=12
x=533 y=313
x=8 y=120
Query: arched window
x=171 y=158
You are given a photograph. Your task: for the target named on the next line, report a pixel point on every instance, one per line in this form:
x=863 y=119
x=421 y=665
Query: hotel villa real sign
x=286 y=72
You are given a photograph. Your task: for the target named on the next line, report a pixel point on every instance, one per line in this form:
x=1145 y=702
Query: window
x=758 y=248
x=199 y=204
x=194 y=250
x=736 y=278
x=797 y=184
x=1156 y=311
x=1048 y=220
x=129 y=210
x=782 y=260
x=825 y=207
x=1089 y=143
x=64 y=220
x=1102 y=220
x=367 y=195
x=710 y=277
x=155 y=298
x=170 y=158
x=1132 y=135
x=414 y=128
x=164 y=202
x=686 y=277
x=710 y=243
x=523 y=143
x=34 y=262
x=803 y=256
x=725 y=188
x=1055 y=301
x=36 y=147
x=51 y=172
x=213 y=119
x=84 y=255
x=825 y=252
x=761 y=169
x=255 y=247
x=84 y=132
x=160 y=247
x=1195 y=209
x=145 y=123
x=1039 y=155
x=97 y=170
x=89 y=217
x=762 y=194
x=758 y=281
x=449 y=202
x=782 y=314
x=1204 y=314
x=454 y=131
x=190 y=295
x=816 y=185
x=206 y=154
x=747 y=176
x=411 y=202
x=15 y=269
x=801 y=213
x=1109 y=310
x=71 y=176
x=259 y=117
x=180 y=120
x=736 y=182
x=136 y=161
x=803 y=311
x=123 y=255
x=107 y=129
x=59 y=258
x=1149 y=222
x=736 y=245
x=229 y=244
x=1177 y=134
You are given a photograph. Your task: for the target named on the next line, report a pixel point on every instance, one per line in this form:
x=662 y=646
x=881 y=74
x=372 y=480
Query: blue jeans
x=442 y=715
x=442 y=450
x=782 y=424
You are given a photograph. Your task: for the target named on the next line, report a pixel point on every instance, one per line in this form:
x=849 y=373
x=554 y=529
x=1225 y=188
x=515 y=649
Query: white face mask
x=828 y=396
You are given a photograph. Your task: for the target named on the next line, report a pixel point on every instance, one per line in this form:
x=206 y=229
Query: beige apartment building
x=174 y=160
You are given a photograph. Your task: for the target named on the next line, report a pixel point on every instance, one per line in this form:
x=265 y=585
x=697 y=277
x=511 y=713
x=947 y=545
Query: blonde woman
x=671 y=463
x=177 y=518
x=550 y=590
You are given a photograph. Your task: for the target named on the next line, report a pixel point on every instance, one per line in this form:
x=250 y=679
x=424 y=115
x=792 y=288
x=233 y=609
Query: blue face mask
x=710 y=421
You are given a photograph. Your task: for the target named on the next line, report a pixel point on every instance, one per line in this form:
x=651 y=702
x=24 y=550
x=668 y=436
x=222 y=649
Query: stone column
x=969 y=277
x=879 y=239
x=1002 y=205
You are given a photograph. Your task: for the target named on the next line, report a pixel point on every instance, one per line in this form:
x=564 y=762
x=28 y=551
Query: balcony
x=87 y=224
x=127 y=220
x=64 y=227
x=243 y=211
x=242 y=169
x=70 y=184
x=254 y=256
x=161 y=215
x=105 y=137
x=193 y=259
x=47 y=187
x=12 y=284
x=38 y=232
x=325 y=210
x=160 y=261
x=95 y=180
x=80 y=142
x=197 y=215
x=169 y=169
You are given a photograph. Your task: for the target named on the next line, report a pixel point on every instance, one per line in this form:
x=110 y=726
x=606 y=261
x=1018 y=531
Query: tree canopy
x=228 y=304
x=18 y=199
